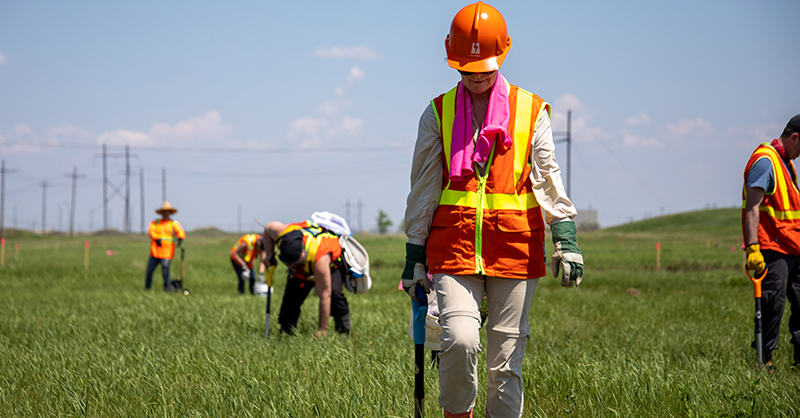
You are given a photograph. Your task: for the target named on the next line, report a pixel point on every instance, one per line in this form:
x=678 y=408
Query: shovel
x=270 y=271
x=420 y=311
x=757 y=293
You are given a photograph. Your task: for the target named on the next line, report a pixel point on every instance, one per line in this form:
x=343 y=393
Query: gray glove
x=246 y=274
x=567 y=256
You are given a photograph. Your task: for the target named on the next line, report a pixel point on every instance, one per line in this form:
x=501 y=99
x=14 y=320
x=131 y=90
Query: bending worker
x=164 y=235
x=243 y=255
x=313 y=257
x=772 y=238
x=483 y=171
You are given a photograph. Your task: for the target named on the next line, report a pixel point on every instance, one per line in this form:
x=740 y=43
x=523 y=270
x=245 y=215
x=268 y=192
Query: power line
x=226 y=150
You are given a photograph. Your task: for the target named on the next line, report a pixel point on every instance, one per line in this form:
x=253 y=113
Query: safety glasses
x=467 y=73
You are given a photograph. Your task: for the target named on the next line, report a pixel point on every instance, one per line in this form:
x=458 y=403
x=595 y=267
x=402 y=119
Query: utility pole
x=44 y=205
x=3 y=171
x=347 y=212
x=127 y=190
x=105 y=193
x=568 y=140
x=116 y=188
x=141 y=191
x=75 y=178
x=359 y=216
x=163 y=184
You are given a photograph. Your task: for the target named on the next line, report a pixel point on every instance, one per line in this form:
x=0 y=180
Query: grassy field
x=633 y=340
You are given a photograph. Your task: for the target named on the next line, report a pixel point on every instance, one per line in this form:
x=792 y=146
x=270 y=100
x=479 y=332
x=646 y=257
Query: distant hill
x=208 y=232
x=717 y=221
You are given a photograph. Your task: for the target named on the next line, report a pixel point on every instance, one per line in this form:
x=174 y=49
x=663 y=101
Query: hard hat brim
x=478 y=66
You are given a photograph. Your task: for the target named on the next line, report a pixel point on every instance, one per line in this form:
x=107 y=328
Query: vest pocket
x=518 y=221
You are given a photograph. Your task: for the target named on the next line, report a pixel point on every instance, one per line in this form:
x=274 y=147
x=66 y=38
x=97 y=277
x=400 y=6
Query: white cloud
x=642 y=119
x=22 y=140
x=357 y=52
x=3 y=60
x=690 y=128
x=631 y=140
x=581 y=127
x=125 y=137
x=205 y=128
x=67 y=133
x=351 y=126
x=355 y=75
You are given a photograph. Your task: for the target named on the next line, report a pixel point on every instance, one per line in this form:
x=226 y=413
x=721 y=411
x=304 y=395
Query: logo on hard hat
x=476 y=48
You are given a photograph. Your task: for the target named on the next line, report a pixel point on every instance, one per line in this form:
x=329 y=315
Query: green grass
x=633 y=340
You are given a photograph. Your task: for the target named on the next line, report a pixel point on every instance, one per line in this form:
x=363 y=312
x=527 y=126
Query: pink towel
x=462 y=150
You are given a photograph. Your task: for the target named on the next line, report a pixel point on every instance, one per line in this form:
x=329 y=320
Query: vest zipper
x=479 y=222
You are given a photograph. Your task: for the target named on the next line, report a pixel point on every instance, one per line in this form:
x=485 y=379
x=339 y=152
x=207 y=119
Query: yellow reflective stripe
x=781 y=215
x=448 y=117
x=493 y=201
x=522 y=132
x=780 y=181
x=312 y=245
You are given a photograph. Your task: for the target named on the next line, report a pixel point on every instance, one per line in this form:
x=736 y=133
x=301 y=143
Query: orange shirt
x=169 y=232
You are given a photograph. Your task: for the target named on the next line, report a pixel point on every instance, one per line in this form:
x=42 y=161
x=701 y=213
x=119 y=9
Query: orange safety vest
x=317 y=242
x=169 y=232
x=779 y=212
x=490 y=224
x=250 y=251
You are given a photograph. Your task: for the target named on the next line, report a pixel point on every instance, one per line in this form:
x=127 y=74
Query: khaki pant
x=509 y=302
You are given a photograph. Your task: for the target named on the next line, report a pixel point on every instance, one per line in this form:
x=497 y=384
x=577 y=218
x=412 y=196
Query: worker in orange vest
x=165 y=235
x=484 y=180
x=770 y=200
x=313 y=257
x=243 y=256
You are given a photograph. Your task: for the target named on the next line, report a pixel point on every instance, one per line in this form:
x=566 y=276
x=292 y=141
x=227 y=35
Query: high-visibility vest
x=317 y=242
x=250 y=251
x=169 y=232
x=490 y=224
x=779 y=212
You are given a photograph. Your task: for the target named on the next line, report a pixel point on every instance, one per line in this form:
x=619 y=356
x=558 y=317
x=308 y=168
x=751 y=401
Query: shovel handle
x=757 y=281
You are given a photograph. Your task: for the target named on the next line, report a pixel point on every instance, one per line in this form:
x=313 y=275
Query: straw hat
x=166 y=208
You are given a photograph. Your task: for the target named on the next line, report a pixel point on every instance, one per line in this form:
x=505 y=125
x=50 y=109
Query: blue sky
x=285 y=109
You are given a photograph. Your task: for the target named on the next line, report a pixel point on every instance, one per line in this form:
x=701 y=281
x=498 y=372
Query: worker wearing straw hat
x=165 y=234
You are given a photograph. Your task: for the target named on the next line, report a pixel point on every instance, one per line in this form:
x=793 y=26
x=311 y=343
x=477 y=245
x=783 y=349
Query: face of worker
x=792 y=146
x=479 y=84
x=300 y=261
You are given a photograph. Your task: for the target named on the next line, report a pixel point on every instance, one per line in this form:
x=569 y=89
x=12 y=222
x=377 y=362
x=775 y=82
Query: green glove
x=567 y=256
x=415 y=272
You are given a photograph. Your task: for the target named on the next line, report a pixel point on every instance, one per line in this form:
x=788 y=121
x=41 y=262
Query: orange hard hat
x=478 y=39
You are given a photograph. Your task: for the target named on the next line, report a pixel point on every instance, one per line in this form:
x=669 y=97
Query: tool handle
x=757 y=281
x=420 y=312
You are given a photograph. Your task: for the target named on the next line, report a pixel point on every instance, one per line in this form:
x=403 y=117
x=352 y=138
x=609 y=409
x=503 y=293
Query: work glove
x=262 y=278
x=245 y=274
x=158 y=242
x=567 y=256
x=272 y=261
x=180 y=241
x=755 y=260
x=415 y=272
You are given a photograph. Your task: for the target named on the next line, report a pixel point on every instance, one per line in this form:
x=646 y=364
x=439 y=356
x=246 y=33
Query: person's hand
x=180 y=241
x=272 y=261
x=415 y=272
x=262 y=278
x=755 y=260
x=567 y=256
x=158 y=242
x=320 y=334
x=246 y=274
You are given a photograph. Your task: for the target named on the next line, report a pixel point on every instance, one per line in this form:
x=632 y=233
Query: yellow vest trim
x=493 y=201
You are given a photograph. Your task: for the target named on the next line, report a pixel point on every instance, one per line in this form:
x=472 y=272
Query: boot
x=342 y=324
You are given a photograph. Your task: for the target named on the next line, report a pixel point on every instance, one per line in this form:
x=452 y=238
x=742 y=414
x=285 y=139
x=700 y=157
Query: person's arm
x=271 y=233
x=755 y=195
x=426 y=179
x=322 y=282
x=237 y=254
x=546 y=174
